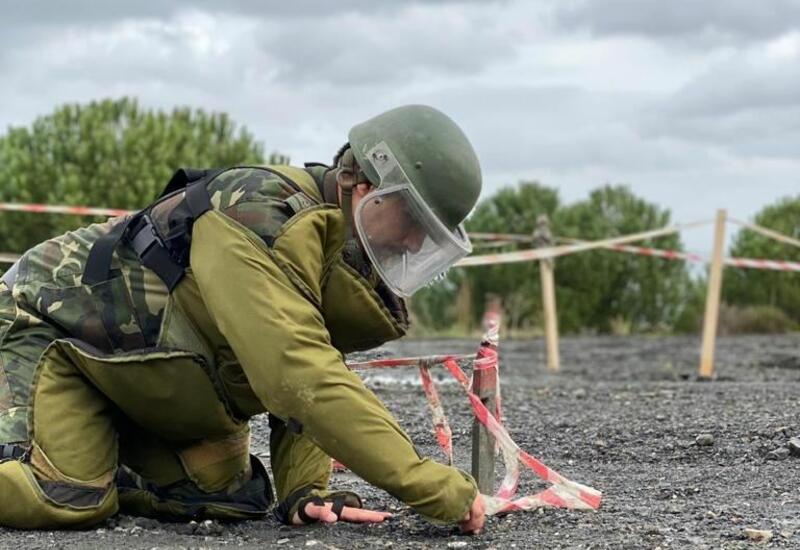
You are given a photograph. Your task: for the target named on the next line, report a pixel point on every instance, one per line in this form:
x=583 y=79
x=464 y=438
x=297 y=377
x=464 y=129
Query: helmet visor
x=406 y=242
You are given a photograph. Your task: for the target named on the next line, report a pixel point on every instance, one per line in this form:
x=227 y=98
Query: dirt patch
x=682 y=463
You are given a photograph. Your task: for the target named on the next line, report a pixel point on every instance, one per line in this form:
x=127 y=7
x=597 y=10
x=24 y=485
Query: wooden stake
x=484 y=385
x=550 y=318
x=712 y=299
x=543 y=238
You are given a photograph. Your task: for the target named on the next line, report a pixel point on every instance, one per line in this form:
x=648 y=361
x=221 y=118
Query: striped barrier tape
x=441 y=427
x=745 y=263
x=774 y=265
x=63 y=209
x=406 y=361
x=563 y=493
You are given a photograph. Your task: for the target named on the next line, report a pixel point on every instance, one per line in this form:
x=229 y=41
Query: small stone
x=704 y=440
x=312 y=542
x=780 y=453
x=758 y=535
x=185 y=528
x=148 y=523
x=580 y=393
x=283 y=541
x=794 y=446
x=457 y=544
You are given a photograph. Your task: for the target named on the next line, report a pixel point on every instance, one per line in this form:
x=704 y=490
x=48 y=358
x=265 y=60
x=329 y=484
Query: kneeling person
x=134 y=352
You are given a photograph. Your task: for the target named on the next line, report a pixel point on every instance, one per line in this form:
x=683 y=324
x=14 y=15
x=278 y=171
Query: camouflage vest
x=133 y=313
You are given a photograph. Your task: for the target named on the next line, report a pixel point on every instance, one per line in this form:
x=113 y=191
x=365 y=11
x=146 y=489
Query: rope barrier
x=500 y=237
x=767 y=232
x=8 y=258
x=555 y=251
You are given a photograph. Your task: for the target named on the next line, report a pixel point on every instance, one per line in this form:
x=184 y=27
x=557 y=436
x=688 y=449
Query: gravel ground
x=682 y=463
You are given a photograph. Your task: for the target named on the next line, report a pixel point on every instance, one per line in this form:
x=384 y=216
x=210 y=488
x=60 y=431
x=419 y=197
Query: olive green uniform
x=129 y=395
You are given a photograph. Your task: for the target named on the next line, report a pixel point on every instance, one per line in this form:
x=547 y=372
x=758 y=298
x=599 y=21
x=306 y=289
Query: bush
x=754 y=320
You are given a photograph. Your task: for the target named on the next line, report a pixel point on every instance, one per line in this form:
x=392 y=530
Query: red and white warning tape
x=444 y=436
x=63 y=209
x=405 y=361
x=752 y=263
x=563 y=493
x=747 y=263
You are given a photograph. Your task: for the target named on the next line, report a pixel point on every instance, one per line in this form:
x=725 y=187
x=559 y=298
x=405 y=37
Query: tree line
x=114 y=153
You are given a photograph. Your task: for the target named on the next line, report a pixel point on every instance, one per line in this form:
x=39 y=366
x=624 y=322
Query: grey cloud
x=738 y=85
x=47 y=12
x=715 y=20
x=364 y=48
x=748 y=107
x=560 y=129
x=372 y=50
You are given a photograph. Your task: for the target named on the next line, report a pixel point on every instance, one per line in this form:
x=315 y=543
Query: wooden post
x=542 y=238
x=713 y=299
x=484 y=385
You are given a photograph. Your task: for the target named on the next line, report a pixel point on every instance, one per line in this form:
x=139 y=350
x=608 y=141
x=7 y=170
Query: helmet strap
x=347 y=177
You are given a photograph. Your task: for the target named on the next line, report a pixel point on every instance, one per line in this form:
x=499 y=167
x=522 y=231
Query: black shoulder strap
x=186 y=176
x=152 y=252
x=98 y=264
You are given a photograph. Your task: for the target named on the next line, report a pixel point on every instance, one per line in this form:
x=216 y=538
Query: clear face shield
x=404 y=239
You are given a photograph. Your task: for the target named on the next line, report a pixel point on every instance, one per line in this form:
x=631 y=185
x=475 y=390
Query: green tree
x=599 y=290
x=604 y=289
x=107 y=153
x=511 y=210
x=780 y=289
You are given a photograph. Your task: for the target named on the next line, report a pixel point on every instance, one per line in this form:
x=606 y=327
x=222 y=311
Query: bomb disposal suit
x=134 y=352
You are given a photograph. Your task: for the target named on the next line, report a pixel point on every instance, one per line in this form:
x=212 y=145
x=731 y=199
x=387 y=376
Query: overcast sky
x=695 y=104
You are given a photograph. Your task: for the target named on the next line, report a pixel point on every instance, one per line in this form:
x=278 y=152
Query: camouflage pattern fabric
x=23 y=338
x=259 y=200
x=119 y=315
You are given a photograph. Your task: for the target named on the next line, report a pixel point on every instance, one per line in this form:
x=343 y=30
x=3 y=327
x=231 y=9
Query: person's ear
x=361 y=190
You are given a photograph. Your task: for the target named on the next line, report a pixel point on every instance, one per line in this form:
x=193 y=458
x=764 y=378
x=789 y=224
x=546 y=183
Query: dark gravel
x=682 y=463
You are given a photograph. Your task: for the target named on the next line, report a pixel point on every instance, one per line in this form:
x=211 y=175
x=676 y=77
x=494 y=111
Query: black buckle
x=11 y=452
x=145 y=237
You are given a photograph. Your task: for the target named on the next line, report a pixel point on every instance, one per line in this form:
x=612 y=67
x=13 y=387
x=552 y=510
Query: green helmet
x=434 y=153
x=426 y=179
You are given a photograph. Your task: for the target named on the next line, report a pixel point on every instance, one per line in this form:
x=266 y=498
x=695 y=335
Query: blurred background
x=610 y=117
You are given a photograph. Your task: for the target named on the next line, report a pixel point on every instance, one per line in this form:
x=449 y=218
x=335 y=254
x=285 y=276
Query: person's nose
x=413 y=241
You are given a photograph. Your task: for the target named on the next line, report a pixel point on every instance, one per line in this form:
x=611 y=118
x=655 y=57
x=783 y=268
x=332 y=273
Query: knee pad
x=47 y=504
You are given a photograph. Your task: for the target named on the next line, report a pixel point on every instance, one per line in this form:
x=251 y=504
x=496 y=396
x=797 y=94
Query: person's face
x=390 y=225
